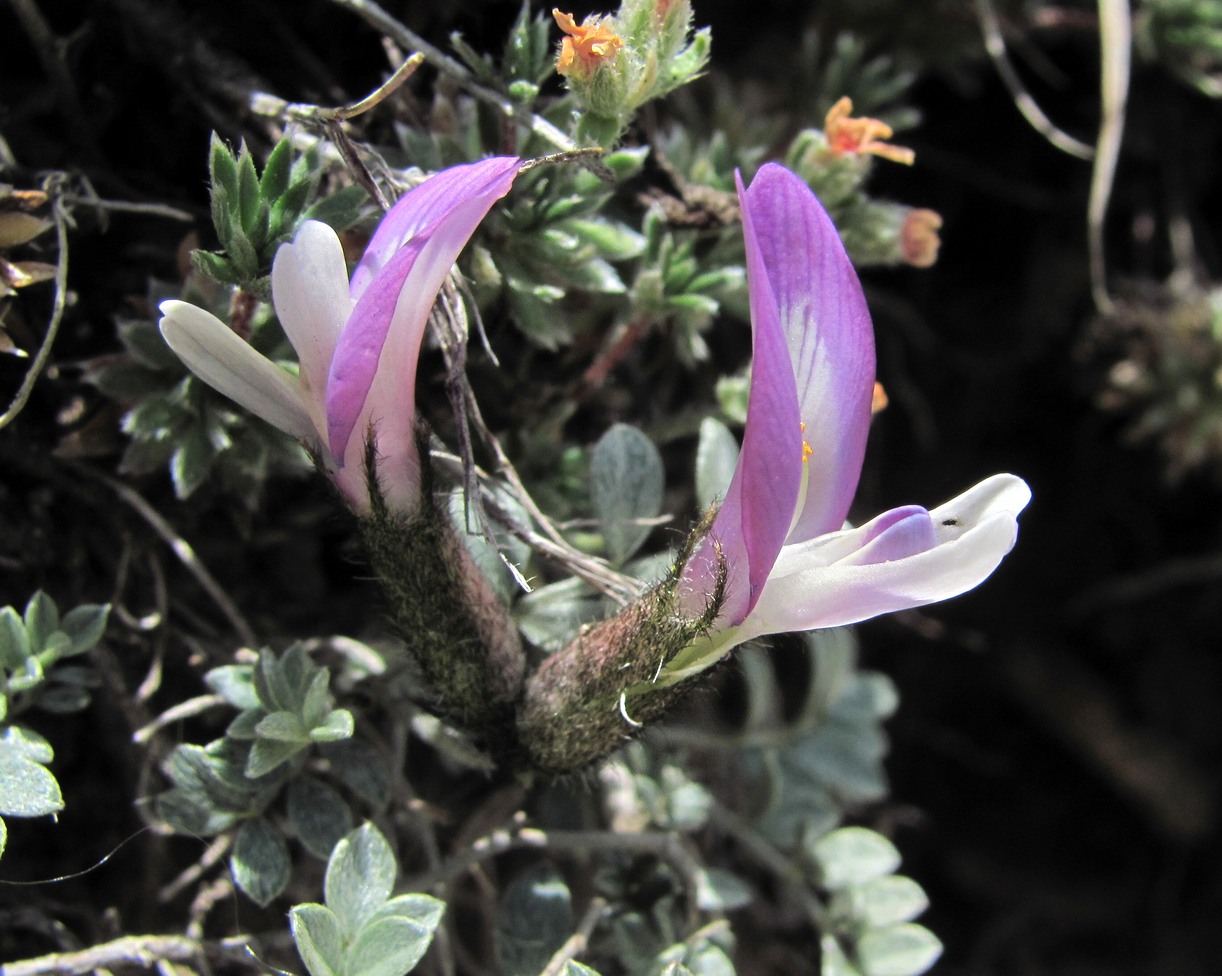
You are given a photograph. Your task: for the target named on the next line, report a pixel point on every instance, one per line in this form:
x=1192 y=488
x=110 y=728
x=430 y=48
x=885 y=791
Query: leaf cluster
x=284 y=708
x=254 y=213
x=364 y=930
x=870 y=931
x=32 y=645
x=177 y=421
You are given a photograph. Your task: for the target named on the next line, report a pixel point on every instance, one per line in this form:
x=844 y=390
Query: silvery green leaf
x=316 y=933
x=282 y=727
x=626 y=483
x=3 y=836
x=613 y=240
x=721 y=891
x=14 y=641
x=260 y=861
x=834 y=962
x=884 y=901
x=848 y=761
x=317 y=814
x=534 y=918
x=360 y=876
x=244 y=724
x=63 y=699
x=21 y=743
x=424 y=910
x=267 y=754
x=902 y=950
x=315 y=708
x=853 y=856
x=41 y=620
x=716 y=459
x=339 y=724
x=235 y=683
x=27 y=788
x=85 y=625
x=550 y=616
x=388 y=946
x=361 y=768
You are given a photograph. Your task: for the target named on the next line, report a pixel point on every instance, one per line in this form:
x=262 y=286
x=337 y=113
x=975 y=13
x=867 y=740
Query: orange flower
x=849 y=135
x=919 y=241
x=587 y=45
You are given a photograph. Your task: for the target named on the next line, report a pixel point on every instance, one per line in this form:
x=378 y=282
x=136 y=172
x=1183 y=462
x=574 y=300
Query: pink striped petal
x=754 y=518
x=831 y=339
x=405 y=266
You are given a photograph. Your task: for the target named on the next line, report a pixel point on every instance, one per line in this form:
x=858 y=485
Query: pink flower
x=357 y=342
x=790 y=563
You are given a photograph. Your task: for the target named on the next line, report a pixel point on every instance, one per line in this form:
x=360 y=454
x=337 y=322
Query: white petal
x=212 y=352
x=310 y=292
x=805 y=592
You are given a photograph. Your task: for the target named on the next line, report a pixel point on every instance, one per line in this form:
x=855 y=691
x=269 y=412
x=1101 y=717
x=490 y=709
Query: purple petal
x=754 y=519
x=839 y=579
x=896 y=534
x=831 y=339
x=408 y=259
x=423 y=205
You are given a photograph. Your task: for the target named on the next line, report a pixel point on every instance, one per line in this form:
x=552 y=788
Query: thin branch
x=576 y=943
x=402 y=35
x=133 y=952
x=669 y=847
x=91 y=199
x=782 y=866
x=57 y=316
x=184 y=710
x=183 y=550
x=995 y=45
x=1116 y=48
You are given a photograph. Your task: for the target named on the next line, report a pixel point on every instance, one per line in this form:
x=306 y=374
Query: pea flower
x=357 y=342
x=779 y=541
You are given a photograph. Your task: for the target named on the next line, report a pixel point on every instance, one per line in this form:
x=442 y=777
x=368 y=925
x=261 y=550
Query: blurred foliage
x=32 y=645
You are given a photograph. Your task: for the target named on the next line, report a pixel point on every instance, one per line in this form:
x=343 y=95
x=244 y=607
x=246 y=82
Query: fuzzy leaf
x=339 y=724
x=389 y=946
x=884 y=901
x=902 y=950
x=41 y=620
x=85 y=625
x=361 y=768
x=716 y=458
x=534 y=919
x=276 y=171
x=319 y=941
x=360 y=876
x=234 y=683
x=14 y=642
x=626 y=482
x=282 y=727
x=260 y=861
x=267 y=754
x=27 y=788
x=318 y=815
x=853 y=855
